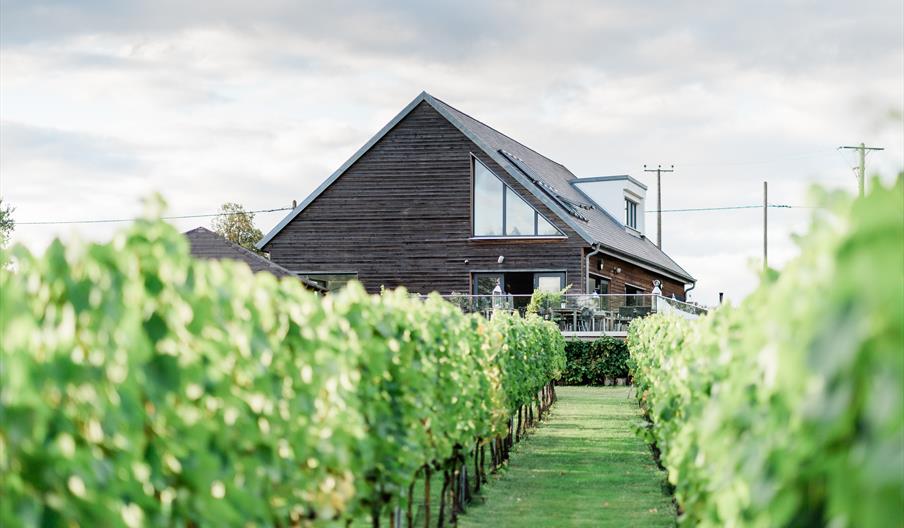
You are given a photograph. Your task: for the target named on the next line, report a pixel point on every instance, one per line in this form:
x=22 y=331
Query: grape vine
x=788 y=410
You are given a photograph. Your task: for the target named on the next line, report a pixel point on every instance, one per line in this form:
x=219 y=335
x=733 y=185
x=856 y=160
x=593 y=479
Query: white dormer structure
x=622 y=197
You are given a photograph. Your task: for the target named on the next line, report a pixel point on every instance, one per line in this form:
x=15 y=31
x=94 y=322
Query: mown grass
x=583 y=466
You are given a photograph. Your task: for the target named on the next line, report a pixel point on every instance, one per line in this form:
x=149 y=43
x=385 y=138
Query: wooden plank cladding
x=401 y=216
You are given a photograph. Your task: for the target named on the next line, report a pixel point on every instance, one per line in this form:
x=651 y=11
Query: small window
x=331 y=281
x=631 y=213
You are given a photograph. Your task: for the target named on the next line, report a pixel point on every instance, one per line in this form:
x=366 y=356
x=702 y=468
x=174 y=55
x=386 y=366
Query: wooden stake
x=427 y=496
x=442 y=499
x=409 y=514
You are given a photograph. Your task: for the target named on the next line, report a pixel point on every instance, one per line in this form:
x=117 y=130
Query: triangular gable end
x=495 y=156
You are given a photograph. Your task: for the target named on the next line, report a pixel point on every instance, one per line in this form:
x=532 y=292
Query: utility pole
x=765 y=226
x=659 y=170
x=861 y=175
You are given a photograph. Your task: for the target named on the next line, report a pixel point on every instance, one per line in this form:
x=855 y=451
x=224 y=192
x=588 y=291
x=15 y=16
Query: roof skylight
x=570 y=206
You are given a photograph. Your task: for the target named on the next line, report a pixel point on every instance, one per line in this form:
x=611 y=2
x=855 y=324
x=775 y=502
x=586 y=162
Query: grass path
x=583 y=466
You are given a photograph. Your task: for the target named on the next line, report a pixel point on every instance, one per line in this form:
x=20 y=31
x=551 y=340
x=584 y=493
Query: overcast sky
x=103 y=102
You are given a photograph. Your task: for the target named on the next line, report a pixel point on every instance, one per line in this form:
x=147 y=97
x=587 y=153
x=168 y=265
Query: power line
x=277 y=209
x=729 y=208
x=181 y=217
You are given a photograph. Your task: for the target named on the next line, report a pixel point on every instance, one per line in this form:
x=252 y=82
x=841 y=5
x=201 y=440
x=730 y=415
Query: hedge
x=595 y=362
x=788 y=410
x=141 y=387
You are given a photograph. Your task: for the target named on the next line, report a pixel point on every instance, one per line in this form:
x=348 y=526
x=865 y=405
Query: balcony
x=581 y=316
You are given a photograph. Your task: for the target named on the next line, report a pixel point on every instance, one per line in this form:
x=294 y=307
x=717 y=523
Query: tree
x=237 y=225
x=7 y=224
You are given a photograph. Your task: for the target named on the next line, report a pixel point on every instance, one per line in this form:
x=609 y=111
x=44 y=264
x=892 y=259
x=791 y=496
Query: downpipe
x=596 y=251
x=687 y=290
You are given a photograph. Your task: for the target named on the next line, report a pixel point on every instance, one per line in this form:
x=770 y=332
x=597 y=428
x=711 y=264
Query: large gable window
x=500 y=212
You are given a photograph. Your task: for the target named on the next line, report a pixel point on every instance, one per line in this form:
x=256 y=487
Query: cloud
x=103 y=102
x=21 y=143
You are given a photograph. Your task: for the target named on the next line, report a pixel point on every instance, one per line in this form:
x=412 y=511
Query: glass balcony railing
x=578 y=314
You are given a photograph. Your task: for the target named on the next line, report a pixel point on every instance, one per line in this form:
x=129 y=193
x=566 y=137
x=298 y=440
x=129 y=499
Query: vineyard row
x=141 y=387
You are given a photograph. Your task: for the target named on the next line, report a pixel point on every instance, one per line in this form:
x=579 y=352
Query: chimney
x=720 y=297
x=294 y=204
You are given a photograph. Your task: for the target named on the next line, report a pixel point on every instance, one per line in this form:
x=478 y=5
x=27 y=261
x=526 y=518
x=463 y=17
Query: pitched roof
x=549 y=181
x=205 y=244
